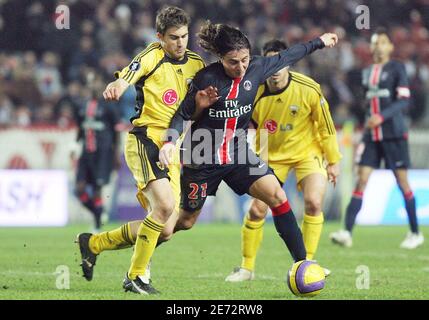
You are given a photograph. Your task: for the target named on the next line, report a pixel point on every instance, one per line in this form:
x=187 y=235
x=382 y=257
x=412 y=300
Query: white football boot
x=239 y=275
x=327 y=272
x=342 y=238
x=412 y=240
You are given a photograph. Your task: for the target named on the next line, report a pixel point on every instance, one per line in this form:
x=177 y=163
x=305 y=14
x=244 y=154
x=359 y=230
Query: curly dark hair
x=170 y=16
x=219 y=39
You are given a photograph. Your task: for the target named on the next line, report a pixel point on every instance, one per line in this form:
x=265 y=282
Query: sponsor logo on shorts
x=193 y=204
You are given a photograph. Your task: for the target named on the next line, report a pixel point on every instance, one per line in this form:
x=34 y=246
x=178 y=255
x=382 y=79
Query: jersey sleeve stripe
x=329 y=124
x=190 y=53
x=195 y=58
x=307 y=83
x=147 y=50
x=130 y=74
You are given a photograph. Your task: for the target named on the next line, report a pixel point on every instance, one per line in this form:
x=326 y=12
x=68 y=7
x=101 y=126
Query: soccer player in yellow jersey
x=161 y=74
x=293 y=115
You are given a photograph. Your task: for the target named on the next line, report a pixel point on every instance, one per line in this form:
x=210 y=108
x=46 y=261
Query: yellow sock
x=111 y=240
x=311 y=230
x=251 y=238
x=147 y=238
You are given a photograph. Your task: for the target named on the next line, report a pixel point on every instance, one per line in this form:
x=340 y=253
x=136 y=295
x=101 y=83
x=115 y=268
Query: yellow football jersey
x=161 y=84
x=295 y=120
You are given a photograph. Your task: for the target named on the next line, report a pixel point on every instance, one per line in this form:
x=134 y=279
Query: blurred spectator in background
x=38 y=62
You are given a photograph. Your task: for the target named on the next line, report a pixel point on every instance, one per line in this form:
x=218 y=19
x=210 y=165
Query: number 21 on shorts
x=193 y=195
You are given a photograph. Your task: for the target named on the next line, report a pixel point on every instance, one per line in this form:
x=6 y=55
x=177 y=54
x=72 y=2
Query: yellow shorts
x=311 y=163
x=142 y=157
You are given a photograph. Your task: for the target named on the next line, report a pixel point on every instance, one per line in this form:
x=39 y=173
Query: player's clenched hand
x=374 y=121
x=166 y=154
x=205 y=98
x=329 y=39
x=333 y=172
x=111 y=93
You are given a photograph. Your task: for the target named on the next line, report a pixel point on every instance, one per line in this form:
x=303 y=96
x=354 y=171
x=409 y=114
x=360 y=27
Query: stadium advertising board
x=33 y=198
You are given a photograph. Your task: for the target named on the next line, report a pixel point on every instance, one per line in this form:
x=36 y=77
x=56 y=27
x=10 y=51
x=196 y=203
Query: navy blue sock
x=288 y=230
x=86 y=201
x=97 y=211
x=353 y=209
x=410 y=206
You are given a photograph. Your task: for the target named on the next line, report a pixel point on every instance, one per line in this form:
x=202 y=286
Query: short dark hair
x=219 y=39
x=170 y=16
x=274 y=45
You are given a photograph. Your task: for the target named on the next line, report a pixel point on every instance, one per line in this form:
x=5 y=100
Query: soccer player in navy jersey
x=96 y=121
x=385 y=137
x=221 y=100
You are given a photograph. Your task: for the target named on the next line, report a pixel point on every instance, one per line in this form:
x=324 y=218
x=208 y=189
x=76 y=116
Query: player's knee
x=184 y=224
x=164 y=208
x=166 y=234
x=257 y=211
x=278 y=197
x=361 y=184
x=313 y=205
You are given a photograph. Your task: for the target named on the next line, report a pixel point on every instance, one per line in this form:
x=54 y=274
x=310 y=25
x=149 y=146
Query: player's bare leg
x=344 y=237
x=186 y=220
x=414 y=238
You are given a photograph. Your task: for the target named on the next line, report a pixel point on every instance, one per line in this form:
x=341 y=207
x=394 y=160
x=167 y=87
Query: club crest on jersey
x=247 y=85
x=293 y=110
x=134 y=66
x=169 y=97
x=271 y=126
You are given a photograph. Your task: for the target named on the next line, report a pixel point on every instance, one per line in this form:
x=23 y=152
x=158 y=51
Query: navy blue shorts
x=198 y=183
x=394 y=152
x=95 y=168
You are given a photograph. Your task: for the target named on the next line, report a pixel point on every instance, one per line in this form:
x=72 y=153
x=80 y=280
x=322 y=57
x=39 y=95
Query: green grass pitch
x=194 y=263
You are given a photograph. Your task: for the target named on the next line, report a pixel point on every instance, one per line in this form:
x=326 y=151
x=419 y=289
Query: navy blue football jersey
x=387 y=94
x=96 y=120
x=227 y=120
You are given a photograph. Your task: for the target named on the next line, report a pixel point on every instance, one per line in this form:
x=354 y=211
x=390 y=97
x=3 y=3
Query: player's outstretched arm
x=114 y=90
x=295 y=53
x=329 y=39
